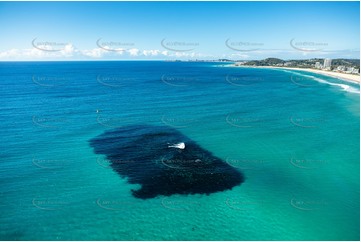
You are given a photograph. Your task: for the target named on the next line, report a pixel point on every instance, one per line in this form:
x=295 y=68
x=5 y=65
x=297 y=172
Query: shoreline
x=341 y=76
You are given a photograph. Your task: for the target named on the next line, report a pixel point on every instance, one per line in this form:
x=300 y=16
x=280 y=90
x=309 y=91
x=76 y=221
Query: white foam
x=344 y=87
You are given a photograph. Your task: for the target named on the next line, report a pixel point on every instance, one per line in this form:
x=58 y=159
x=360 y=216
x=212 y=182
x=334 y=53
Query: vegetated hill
x=346 y=62
x=265 y=62
x=304 y=63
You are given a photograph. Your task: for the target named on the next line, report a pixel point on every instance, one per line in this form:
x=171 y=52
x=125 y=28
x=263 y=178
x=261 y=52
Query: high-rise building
x=327 y=64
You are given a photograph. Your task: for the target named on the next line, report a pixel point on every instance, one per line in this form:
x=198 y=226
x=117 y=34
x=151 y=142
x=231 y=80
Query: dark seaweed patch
x=141 y=153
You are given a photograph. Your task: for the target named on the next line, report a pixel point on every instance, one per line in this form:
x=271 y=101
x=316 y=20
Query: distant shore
x=343 y=76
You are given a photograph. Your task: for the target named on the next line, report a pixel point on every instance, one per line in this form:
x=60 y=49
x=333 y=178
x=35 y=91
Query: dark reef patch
x=142 y=154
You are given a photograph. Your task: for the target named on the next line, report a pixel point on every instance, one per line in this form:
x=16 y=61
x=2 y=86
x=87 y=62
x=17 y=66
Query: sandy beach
x=343 y=76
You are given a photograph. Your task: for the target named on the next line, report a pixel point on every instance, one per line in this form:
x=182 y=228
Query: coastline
x=342 y=76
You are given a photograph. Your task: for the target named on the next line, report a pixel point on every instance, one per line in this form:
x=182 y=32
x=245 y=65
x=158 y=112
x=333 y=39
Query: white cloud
x=95 y=53
x=36 y=53
x=134 y=52
x=70 y=52
x=239 y=55
x=9 y=53
x=151 y=52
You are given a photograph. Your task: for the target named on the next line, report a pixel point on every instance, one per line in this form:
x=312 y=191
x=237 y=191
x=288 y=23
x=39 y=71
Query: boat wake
x=181 y=146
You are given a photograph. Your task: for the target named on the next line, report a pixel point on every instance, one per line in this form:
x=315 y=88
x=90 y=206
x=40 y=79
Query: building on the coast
x=355 y=71
x=239 y=63
x=349 y=70
x=318 y=65
x=327 y=64
x=341 y=68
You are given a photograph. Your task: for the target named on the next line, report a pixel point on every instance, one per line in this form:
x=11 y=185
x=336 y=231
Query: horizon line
x=174 y=60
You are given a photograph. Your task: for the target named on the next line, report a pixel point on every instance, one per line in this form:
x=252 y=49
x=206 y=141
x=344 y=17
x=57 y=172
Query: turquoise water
x=292 y=134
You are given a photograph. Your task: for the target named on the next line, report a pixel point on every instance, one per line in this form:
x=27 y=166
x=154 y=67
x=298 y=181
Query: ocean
x=281 y=149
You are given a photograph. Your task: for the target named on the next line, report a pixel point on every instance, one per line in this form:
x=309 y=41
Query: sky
x=178 y=30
